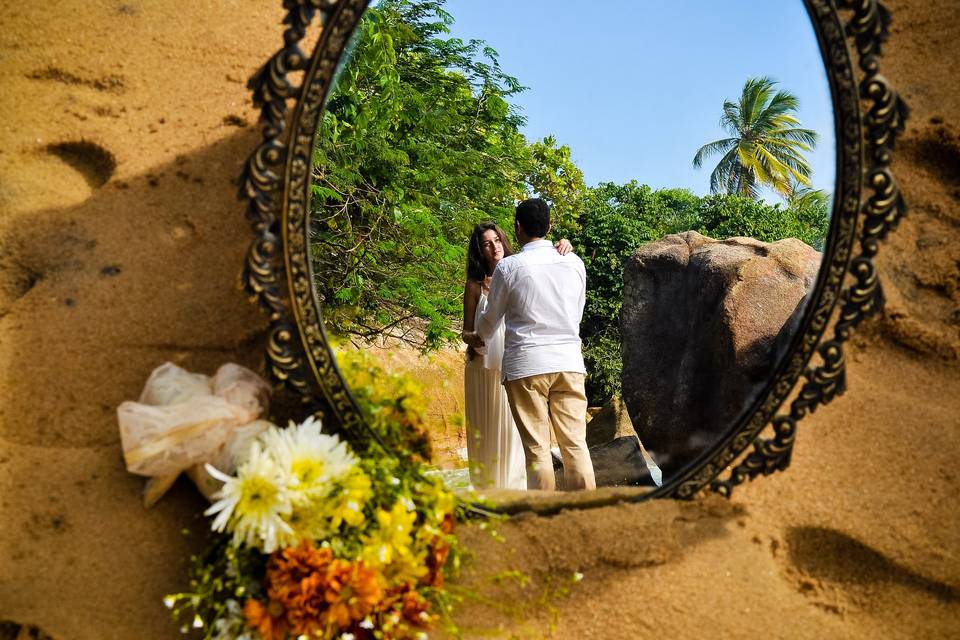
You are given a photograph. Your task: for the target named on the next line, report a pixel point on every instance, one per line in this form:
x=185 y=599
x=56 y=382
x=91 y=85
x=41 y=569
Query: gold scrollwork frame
x=868 y=115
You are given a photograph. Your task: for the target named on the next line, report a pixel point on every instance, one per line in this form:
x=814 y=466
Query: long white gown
x=493 y=443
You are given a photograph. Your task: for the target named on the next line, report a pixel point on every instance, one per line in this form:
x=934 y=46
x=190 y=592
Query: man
x=541 y=295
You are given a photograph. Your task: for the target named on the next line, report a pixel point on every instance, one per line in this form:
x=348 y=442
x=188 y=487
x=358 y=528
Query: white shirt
x=541 y=295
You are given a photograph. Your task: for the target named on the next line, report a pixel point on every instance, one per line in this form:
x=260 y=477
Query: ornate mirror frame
x=868 y=117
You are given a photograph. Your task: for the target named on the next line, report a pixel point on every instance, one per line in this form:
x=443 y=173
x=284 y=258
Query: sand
x=121 y=244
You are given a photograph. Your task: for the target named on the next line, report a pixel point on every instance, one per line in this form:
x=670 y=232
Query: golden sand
x=121 y=244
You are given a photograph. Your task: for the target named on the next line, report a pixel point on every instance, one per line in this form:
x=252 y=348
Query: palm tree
x=804 y=198
x=765 y=144
x=811 y=208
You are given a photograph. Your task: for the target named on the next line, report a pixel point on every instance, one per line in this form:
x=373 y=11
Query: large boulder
x=703 y=324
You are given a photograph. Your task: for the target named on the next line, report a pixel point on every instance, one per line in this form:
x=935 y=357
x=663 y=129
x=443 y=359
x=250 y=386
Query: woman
x=494 y=448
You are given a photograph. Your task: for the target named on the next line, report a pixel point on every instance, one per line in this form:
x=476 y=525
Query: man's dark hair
x=533 y=216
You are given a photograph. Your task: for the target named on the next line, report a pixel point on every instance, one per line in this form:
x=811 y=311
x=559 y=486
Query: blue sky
x=635 y=87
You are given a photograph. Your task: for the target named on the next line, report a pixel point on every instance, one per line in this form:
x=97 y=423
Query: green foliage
x=418 y=143
x=216 y=578
x=765 y=144
x=555 y=178
x=728 y=216
x=811 y=209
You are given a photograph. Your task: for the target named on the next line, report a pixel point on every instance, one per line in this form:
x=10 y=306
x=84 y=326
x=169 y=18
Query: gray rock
x=704 y=324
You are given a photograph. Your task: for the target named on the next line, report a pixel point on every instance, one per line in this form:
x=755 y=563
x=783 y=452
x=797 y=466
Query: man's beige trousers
x=557 y=399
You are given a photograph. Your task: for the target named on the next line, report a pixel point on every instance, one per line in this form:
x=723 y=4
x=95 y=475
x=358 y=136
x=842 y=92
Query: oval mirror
x=593 y=251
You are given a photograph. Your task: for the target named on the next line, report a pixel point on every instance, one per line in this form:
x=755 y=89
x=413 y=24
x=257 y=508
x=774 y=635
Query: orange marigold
x=297 y=579
x=404 y=614
x=414 y=608
x=288 y=567
x=448 y=523
x=436 y=558
x=269 y=620
x=353 y=591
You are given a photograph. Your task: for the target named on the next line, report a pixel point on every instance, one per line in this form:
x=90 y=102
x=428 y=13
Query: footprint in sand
x=94 y=163
x=61 y=174
x=12 y=631
x=54 y=176
x=839 y=573
x=937 y=151
x=16 y=281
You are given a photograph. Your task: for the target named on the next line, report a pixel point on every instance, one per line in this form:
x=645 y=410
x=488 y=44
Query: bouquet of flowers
x=313 y=542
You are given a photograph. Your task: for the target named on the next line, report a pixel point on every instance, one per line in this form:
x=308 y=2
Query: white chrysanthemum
x=253 y=504
x=311 y=460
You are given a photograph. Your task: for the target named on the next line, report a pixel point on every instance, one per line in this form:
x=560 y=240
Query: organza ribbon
x=183 y=420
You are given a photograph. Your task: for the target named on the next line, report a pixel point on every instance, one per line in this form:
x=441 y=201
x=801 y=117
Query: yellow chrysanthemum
x=311 y=519
x=407 y=567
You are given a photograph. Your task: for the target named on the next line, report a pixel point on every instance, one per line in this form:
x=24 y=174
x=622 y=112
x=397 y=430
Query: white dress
x=493 y=442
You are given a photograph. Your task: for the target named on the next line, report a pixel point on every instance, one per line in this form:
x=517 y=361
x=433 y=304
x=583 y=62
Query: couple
x=525 y=371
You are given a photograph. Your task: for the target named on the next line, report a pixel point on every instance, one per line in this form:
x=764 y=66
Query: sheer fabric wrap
x=183 y=420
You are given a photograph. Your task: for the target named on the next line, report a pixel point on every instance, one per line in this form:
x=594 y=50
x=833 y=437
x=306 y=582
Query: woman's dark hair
x=533 y=216
x=477 y=267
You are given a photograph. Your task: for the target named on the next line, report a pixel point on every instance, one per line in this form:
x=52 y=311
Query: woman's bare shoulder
x=473 y=287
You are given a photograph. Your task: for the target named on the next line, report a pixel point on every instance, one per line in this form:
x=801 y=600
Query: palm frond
x=803 y=197
x=773 y=172
x=711 y=148
x=731 y=120
x=791 y=159
x=721 y=175
x=745 y=184
x=756 y=94
x=751 y=171
x=808 y=137
x=777 y=113
x=782 y=102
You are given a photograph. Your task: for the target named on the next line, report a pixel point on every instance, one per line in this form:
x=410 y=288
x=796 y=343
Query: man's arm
x=496 y=305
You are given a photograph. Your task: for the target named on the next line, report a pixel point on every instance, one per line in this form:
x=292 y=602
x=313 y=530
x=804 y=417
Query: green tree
x=811 y=208
x=418 y=143
x=726 y=216
x=765 y=146
x=554 y=177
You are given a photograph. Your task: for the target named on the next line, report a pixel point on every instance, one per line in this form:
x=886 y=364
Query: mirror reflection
x=579 y=242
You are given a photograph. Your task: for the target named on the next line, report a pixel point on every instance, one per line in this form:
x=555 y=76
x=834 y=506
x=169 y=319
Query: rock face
x=610 y=423
x=703 y=324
